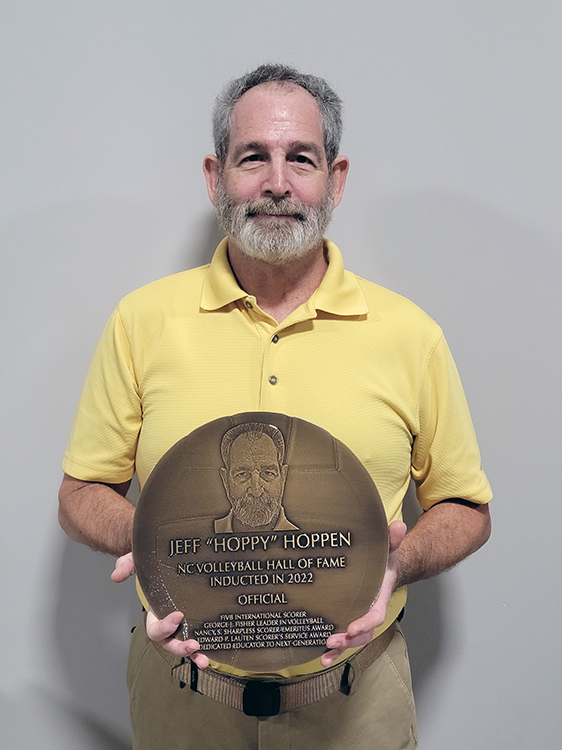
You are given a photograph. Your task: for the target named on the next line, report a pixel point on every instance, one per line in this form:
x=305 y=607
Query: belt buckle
x=261 y=698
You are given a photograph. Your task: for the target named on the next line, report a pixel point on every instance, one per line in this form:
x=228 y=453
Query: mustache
x=263 y=498
x=283 y=207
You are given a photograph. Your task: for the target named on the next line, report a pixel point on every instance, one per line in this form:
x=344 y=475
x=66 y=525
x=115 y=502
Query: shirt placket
x=274 y=342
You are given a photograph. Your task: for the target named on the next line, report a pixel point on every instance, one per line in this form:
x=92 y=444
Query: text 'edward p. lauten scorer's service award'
x=267 y=533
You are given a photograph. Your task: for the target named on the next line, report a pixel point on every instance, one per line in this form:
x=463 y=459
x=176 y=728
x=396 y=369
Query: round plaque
x=267 y=533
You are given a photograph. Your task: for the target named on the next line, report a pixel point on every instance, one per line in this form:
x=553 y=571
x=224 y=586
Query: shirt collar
x=220 y=287
x=339 y=292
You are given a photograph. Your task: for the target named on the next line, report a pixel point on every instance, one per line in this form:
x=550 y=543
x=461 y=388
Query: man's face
x=274 y=195
x=254 y=481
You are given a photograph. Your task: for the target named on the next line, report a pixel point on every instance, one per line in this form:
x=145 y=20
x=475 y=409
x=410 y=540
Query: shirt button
x=249 y=305
x=275 y=339
x=273 y=380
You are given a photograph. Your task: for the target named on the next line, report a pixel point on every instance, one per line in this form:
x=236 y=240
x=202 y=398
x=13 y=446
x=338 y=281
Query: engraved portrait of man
x=254 y=477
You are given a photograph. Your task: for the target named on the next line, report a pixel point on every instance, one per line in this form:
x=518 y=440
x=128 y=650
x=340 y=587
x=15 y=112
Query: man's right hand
x=161 y=630
x=124 y=568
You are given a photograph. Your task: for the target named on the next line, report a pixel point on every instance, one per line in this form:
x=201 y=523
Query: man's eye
x=268 y=475
x=253 y=158
x=241 y=476
x=301 y=159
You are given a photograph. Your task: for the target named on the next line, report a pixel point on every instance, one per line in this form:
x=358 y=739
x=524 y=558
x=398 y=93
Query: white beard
x=275 y=241
x=256 y=511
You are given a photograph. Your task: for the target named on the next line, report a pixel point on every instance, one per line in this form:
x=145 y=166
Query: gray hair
x=329 y=104
x=253 y=430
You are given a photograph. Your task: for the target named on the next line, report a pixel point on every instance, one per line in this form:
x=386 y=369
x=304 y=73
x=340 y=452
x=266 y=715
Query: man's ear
x=340 y=168
x=211 y=170
x=284 y=470
x=224 y=477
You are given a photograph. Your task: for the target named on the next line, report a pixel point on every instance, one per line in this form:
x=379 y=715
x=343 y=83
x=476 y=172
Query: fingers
x=328 y=658
x=162 y=631
x=360 y=631
x=366 y=624
x=159 y=630
x=200 y=659
x=340 y=642
x=124 y=568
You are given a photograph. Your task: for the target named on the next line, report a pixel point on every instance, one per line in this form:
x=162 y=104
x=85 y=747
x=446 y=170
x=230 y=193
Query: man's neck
x=278 y=289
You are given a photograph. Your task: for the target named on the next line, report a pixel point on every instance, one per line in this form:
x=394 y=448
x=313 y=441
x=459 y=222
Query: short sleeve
x=106 y=427
x=445 y=455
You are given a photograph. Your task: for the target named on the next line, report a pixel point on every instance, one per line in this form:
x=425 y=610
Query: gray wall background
x=453 y=120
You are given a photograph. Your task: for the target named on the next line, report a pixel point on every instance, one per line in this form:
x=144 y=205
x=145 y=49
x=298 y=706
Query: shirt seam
x=424 y=371
x=132 y=358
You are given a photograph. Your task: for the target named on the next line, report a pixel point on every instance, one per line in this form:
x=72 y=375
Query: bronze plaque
x=267 y=533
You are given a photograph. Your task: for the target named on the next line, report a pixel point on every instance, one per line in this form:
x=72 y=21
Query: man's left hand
x=360 y=632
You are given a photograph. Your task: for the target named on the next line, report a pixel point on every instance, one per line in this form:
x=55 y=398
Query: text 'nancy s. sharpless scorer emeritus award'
x=267 y=533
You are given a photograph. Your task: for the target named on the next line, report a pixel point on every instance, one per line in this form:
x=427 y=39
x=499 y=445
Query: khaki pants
x=378 y=714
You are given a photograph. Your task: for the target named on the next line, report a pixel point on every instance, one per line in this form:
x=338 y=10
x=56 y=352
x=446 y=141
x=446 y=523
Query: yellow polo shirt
x=360 y=361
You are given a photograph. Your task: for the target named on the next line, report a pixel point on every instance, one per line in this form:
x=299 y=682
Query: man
x=254 y=479
x=275 y=323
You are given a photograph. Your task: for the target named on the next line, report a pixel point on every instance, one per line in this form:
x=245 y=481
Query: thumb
x=124 y=568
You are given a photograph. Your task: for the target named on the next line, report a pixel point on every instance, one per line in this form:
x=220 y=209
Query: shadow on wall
x=52 y=724
x=200 y=249
x=94 y=621
x=93 y=626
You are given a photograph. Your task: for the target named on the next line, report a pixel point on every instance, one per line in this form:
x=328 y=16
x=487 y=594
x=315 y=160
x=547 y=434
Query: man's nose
x=255 y=482
x=276 y=184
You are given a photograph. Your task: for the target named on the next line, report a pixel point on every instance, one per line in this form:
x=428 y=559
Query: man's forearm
x=443 y=536
x=96 y=514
